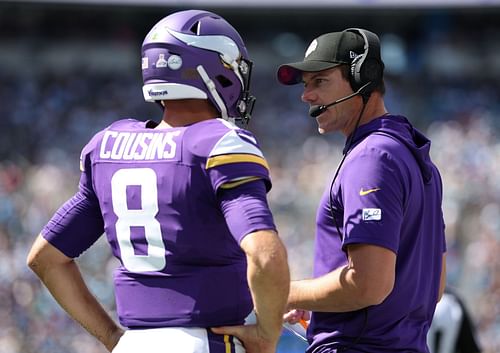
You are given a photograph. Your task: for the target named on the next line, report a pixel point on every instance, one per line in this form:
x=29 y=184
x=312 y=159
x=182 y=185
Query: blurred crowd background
x=67 y=71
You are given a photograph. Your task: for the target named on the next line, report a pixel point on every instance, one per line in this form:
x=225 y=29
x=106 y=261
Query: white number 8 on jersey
x=154 y=260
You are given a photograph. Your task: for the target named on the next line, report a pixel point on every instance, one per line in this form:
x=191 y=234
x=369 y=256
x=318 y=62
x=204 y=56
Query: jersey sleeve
x=78 y=223
x=373 y=200
x=246 y=209
x=235 y=159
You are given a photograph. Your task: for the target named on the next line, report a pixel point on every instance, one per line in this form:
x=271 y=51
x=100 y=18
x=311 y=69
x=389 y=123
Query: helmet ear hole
x=223 y=80
x=194 y=28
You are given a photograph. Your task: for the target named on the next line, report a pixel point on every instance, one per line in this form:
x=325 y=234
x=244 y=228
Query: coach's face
x=324 y=87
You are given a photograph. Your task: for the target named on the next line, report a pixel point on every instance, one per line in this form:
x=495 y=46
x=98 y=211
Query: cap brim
x=291 y=74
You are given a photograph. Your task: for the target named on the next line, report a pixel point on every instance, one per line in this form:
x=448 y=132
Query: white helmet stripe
x=220 y=44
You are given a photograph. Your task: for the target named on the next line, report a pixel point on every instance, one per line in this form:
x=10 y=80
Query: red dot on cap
x=287 y=74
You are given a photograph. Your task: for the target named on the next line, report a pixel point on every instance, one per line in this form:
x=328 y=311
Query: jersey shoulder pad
x=202 y=137
x=230 y=144
x=230 y=155
x=126 y=124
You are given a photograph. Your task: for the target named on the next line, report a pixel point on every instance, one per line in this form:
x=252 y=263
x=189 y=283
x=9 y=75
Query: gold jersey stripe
x=227 y=343
x=239 y=182
x=235 y=158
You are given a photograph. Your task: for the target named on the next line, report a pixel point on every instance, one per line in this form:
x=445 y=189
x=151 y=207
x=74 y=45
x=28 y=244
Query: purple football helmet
x=197 y=54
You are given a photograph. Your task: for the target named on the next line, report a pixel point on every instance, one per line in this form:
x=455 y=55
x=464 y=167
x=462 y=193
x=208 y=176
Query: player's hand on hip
x=113 y=339
x=252 y=337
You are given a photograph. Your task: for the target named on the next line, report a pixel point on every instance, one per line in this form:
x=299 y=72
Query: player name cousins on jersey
x=122 y=145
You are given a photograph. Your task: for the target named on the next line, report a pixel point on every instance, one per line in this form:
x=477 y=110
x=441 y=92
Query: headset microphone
x=317 y=110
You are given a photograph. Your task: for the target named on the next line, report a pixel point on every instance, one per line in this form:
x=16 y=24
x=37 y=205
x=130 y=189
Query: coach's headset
x=366 y=73
x=367 y=69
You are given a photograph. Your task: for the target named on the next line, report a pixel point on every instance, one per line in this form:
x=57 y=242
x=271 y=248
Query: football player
x=183 y=205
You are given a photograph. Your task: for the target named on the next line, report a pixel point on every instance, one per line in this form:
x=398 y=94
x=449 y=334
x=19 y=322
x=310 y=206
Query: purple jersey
x=154 y=193
x=388 y=193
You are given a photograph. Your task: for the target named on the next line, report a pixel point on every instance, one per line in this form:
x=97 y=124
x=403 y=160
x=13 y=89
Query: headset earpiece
x=366 y=67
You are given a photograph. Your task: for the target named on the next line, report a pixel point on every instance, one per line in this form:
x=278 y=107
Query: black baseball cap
x=324 y=52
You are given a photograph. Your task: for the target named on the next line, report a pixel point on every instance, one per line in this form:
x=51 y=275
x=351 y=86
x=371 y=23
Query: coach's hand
x=252 y=337
x=297 y=316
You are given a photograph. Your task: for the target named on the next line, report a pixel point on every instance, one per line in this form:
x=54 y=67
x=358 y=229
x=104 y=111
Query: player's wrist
x=113 y=338
x=270 y=332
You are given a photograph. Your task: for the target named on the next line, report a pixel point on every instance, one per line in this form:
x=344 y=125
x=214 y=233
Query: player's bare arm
x=61 y=276
x=268 y=278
